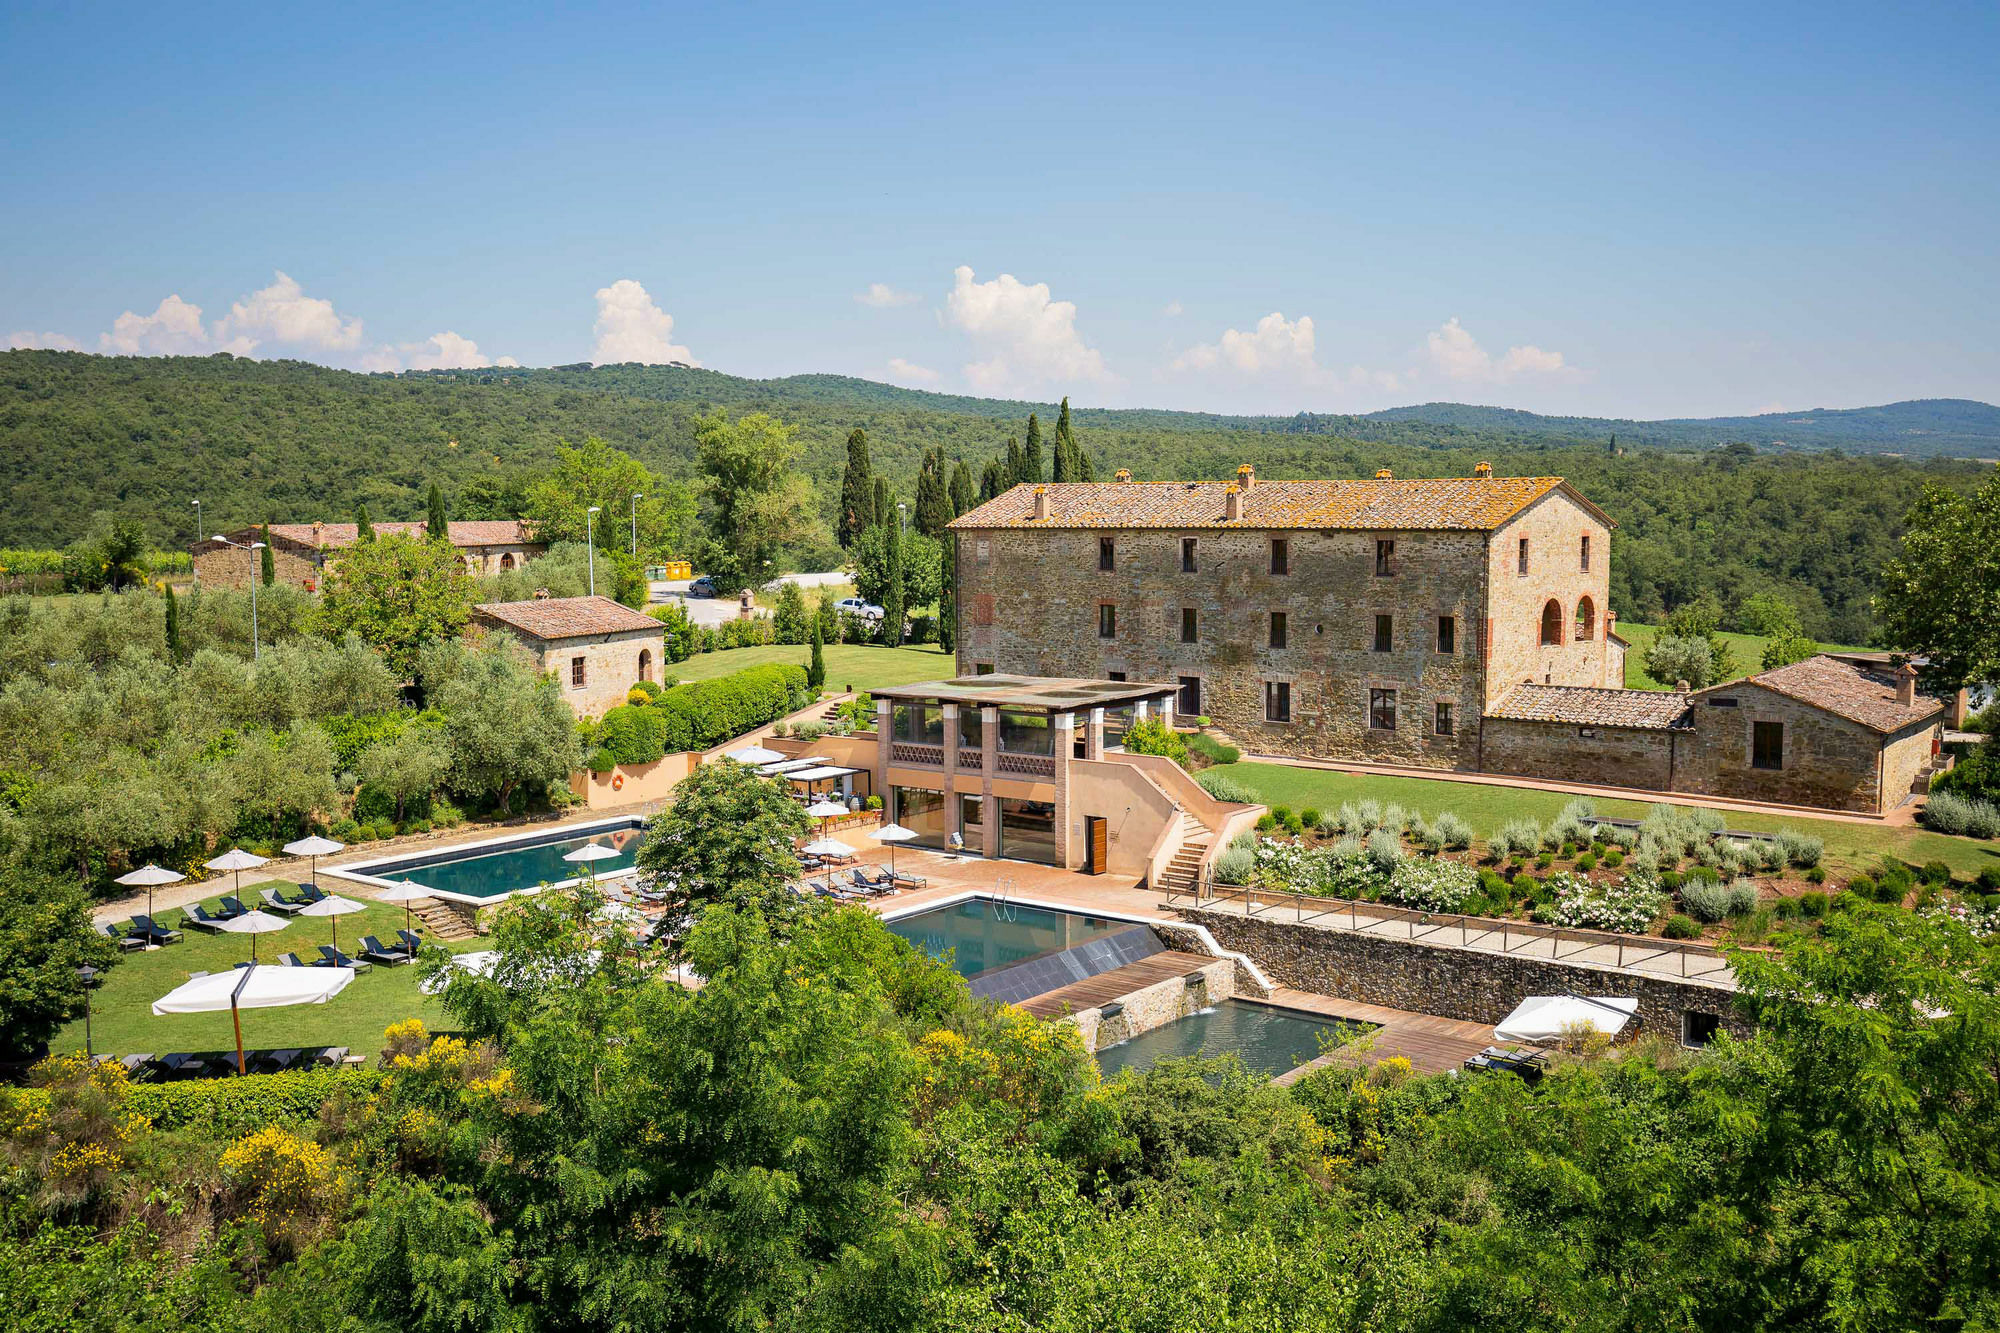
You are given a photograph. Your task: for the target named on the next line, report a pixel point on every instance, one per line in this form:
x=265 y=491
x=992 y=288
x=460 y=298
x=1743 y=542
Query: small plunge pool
x=1268 y=1039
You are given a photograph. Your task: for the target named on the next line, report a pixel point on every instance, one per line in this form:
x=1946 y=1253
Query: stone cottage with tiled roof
x=1455 y=623
x=1372 y=620
x=302 y=552
x=597 y=649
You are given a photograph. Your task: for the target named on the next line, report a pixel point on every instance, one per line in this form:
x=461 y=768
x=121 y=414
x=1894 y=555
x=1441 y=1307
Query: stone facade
x=1030 y=601
x=304 y=553
x=1565 y=752
x=1827 y=760
x=1452 y=983
x=610 y=665
x=218 y=566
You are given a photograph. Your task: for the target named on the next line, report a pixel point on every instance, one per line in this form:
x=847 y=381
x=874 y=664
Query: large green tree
x=1940 y=597
x=933 y=495
x=409 y=767
x=964 y=495
x=894 y=606
x=436 y=527
x=398 y=594
x=557 y=502
x=45 y=936
x=857 y=490
x=759 y=502
x=1031 y=453
x=727 y=837
x=506 y=727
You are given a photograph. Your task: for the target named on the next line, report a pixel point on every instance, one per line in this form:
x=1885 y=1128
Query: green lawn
x=1849 y=847
x=1746 y=649
x=857 y=664
x=123 y=1023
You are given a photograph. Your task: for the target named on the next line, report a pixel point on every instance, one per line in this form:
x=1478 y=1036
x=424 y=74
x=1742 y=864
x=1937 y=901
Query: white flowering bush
x=1433 y=886
x=1285 y=866
x=1628 y=905
x=1344 y=870
x=1981 y=920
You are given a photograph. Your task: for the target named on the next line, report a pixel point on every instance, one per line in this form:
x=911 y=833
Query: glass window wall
x=1028 y=831
x=971 y=727
x=919 y=724
x=1026 y=733
x=922 y=812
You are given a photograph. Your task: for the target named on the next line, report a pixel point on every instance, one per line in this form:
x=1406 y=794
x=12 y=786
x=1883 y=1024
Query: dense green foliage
x=300 y=441
x=45 y=936
x=1941 y=594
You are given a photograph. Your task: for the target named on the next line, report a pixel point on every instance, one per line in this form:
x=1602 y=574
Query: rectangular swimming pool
x=982 y=934
x=1269 y=1040
x=486 y=871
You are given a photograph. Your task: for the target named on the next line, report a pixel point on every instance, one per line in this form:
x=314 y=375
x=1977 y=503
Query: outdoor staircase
x=442 y=921
x=1184 y=871
x=1921 y=784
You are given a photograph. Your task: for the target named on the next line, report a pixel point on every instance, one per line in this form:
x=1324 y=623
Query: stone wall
x=1828 y=760
x=1565 y=752
x=1156 y=1005
x=229 y=567
x=1451 y=983
x=1906 y=755
x=1554 y=528
x=610 y=665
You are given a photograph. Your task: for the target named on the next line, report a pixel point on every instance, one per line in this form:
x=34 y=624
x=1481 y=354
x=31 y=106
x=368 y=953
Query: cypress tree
x=857 y=491
x=963 y=497
x=267 y=563
x=1065 y=447
x=1085 y=469
x=933 y=495
x=948 y=594
x=173 y=627
x=816 y=667
x=992 y=480
x=1016 y=469
x=884 y=507
x=1031 y=455
x=364 y=531
x=892 y=597
x=435 y=526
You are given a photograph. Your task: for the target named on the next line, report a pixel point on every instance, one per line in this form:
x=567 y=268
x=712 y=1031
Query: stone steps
x=442 y=920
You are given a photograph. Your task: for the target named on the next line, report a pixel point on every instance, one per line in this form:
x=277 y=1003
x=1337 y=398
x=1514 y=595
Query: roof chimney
x=317 y=525
x=1383 y=474
x=1041 y=502
x=1906 y=685
x=1232 y=504
x=1680 y=687
x=1482 y=469
x=1246 y=476
x=1122 y=474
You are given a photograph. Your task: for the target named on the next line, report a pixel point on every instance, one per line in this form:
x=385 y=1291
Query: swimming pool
x=982 y=934
x=486 y=871
x=1268 y=1040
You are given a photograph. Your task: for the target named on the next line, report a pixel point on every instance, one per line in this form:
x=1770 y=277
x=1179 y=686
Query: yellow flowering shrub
x=72 y=1126
x=288 y=1184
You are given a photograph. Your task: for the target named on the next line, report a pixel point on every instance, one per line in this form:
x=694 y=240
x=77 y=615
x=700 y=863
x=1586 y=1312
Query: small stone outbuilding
x=301 y=553
x=595 y=647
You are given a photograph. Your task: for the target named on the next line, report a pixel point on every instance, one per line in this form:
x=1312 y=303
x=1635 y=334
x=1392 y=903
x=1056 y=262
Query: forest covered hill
x=292 y=441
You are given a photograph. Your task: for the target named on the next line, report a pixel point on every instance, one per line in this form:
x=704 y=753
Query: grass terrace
x=864 y=666
x=123 y=1022
x=1746 y=649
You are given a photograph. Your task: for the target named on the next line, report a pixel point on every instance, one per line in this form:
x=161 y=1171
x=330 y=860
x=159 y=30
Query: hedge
x=704 y=713
x=235 y=1105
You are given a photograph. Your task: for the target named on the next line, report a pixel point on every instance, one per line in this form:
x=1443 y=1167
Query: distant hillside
x=1921 y=427
x=286 y=440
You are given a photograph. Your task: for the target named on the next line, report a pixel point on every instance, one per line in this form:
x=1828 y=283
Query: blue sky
x=1685 y=210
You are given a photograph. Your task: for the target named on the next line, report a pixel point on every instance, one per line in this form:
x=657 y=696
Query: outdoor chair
x=411 y=941
x=132 y=1064
x=275 y=1062
x=278 y=902
x=199 y=918
x=147 y=928
x=292 y=960
x=126 y=943
x=332 y=957
x=874 y=883
x=330 y=1055
x=311 y=893
x=233 y=908
x=908 y=880
x=374 y=951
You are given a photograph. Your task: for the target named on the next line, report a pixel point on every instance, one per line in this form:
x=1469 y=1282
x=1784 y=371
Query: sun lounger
x=411 y=941
x=374 y=951
x=277 y=902
x=311 y=893
x=198 y=917
x=233 y=907
x=908 y=881
x=873 y=882
x=146 y=928
x=332 y=957
x=134 y=1063
x=274 y=1062
x=126 y=943
x=292 y=960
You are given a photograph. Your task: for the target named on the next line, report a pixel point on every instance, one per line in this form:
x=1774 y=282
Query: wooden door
x=1097 y=843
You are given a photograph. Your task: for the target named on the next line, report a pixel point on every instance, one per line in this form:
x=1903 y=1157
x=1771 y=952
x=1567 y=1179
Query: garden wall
x=1451 y=983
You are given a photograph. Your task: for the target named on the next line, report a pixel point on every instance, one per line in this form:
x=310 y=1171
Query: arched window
x=645 y=664
x=507 y=560
x=1586 y=621
x=1552 y=623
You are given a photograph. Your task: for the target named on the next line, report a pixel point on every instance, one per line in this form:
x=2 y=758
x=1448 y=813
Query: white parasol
x=150 y=877
x=254 y=924
x=238 y=860
x=893 y=834
x=824 y=809
x=755 y=754
x=827 y=847
x=404 y=893
x=1542 y=1020
x=315 y=847
x=253 y=987
x=335 y=906
x=586 y=857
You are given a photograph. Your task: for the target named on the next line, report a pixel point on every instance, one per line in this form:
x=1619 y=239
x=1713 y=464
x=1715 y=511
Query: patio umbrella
x=755 y=754
x=404 y=893
x=253 y=987
x=824 y=809
x=893 y=834
x=335 y=906
x=150 y=877
x=586 y=857
x=315 y=847
x=827 y=847
x=254 y=924
x=238 y=860
x=1545 y=1019
x=619 y=912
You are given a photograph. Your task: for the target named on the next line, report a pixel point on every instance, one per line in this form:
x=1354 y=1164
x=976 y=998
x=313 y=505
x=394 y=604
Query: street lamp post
x=590 y=543
x=636 y=497
x=256 y=648
x=87 y=974
x=197 y=537
x=902 y=516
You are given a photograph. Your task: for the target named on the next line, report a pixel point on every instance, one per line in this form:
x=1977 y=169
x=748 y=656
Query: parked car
x=702 y=587
x=854 y=606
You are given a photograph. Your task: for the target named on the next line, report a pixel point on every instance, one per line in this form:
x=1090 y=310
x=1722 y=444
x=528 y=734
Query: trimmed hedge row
x=702 y=713
x=236 y=1105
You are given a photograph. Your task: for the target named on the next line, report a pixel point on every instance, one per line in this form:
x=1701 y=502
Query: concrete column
x=1139 y=710
x=1093 y=739
x=1166 y=711
x=950 y=770
x=882 y=728
x=989 y=740
x=1064 y=725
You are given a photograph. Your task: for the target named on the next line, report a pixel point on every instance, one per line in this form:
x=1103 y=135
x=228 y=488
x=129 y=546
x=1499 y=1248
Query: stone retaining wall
x=1451 y=983
x=1156 y=1005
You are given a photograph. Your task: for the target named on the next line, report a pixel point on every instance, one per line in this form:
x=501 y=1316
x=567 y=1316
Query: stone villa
x=1453 y=623
x=301 y=552
x=595 y=648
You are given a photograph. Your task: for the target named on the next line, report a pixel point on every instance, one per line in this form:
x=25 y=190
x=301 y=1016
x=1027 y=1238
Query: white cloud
x=630 y=327
x=50 y=342
x=1456 y=354
x=173 y=329
x=882 y=296
x=440 y=351
x=1172 y=310
x=900 y=369
x=283 y=313
x=1030 y=339
x=1277 y=347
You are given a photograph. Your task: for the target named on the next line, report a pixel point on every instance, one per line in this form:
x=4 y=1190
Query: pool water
x=982 y=934
x=507 y=869
x=1268 y=1040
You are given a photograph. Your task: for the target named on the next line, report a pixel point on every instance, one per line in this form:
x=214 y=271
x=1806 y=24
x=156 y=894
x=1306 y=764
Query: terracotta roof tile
x=1465 y=503
x=1649 y=710
x=568 y=617
x=468 y=532
x=1847 y=689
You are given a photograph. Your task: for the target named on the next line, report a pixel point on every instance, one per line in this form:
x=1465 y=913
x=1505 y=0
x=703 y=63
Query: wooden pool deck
x=1431 y=1044
x=1115 y=984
